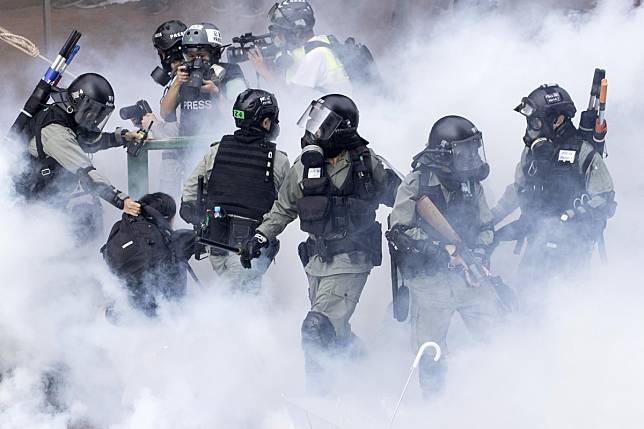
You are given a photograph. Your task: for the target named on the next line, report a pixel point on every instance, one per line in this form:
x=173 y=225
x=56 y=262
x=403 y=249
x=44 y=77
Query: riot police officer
x=201 y=82
x=562 y=186
x=449 y=172
x=241 y=175
x=59 y=165
x=334 y=188
x=306 y=60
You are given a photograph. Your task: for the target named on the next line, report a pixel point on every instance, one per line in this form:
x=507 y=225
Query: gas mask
x=460 y=163
x=274 y=131
x=538 y=125
x=321 y=126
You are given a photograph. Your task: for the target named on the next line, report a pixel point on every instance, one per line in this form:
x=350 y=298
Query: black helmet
x=168 y=35
x=252 y=107
x=542 y=107
x=291 y=16
x=329 y=114
x=454 y=148
x=167 y=41
x=331 y=122
x=90 y=99
x=204 y=36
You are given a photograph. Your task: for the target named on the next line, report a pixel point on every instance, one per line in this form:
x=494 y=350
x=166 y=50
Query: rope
x=25 y=45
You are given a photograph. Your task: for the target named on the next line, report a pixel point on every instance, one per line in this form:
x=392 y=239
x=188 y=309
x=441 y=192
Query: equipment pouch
x=218 y=229
x=303 y=252
x=239 y=231
x=375 y=244
x=313 y=212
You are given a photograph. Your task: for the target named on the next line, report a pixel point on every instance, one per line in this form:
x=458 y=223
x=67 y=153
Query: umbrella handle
x=423 y=349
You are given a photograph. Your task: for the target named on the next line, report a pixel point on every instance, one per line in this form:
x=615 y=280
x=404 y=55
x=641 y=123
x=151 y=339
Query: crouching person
x=148 y=255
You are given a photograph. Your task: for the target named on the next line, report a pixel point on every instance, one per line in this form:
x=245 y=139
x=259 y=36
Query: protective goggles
x=526 y=108
x=320 y=120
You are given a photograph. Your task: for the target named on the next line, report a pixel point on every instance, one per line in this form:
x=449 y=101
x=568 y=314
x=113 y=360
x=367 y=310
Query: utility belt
x=231 y=230
x=368 y=241
x=414 y=264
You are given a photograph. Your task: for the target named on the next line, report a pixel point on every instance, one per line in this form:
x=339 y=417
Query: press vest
x=199 y=115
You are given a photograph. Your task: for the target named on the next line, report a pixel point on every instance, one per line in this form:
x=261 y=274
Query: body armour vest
x=461 y=213
x=350 y=209
x=552 y=184
x=44 y=175
x=241 y=181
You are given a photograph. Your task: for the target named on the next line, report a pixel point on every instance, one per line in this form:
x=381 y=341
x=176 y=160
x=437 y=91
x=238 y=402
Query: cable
x=25 y=45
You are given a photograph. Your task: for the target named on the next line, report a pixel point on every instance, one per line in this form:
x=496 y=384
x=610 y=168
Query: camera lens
x=129 y=112
x=160 y=76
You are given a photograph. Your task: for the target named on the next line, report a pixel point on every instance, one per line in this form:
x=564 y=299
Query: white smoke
x=216 y=360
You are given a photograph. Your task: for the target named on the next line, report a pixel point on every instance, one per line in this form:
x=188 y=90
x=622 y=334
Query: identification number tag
x=314 y=173
x=567 y=156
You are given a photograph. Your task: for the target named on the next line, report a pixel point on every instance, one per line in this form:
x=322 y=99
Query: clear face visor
x=320 y=121
x=92 y=115
x=468 y=154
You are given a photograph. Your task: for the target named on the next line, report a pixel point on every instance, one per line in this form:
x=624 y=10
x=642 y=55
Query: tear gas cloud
x=217 y=360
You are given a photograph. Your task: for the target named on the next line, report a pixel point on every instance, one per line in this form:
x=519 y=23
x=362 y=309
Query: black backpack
x=137 y=245
x=356 y=58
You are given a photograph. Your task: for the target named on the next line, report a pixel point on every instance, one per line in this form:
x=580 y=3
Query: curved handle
x=423 y=349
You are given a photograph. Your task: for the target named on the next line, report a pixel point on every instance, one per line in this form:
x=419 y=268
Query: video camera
x=246 y=42
x=135 y=112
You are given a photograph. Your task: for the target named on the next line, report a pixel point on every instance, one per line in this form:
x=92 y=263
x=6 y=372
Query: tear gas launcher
x=50 y=79
x=475 y=269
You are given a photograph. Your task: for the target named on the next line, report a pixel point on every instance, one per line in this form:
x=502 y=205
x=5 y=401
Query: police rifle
x=478 y=274
x=50 y=79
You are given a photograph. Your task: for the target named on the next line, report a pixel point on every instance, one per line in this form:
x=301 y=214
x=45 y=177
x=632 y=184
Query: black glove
x=407 y=244
x=587 y=121
x=252 y=249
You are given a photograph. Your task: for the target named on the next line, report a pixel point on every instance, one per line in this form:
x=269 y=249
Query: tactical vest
x=241 y=184
x=461 y=213
x=552 y=185
x=43 y=174
x=348 y=211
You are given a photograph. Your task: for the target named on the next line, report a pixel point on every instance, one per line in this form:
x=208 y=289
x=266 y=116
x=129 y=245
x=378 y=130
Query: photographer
x=202 y=82
x=306 y=60
x=167 y=42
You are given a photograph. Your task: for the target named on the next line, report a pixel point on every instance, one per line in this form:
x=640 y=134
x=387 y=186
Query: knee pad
x=317 y=330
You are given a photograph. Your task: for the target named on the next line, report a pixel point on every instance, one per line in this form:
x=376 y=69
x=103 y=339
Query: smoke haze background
x=215 y=360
